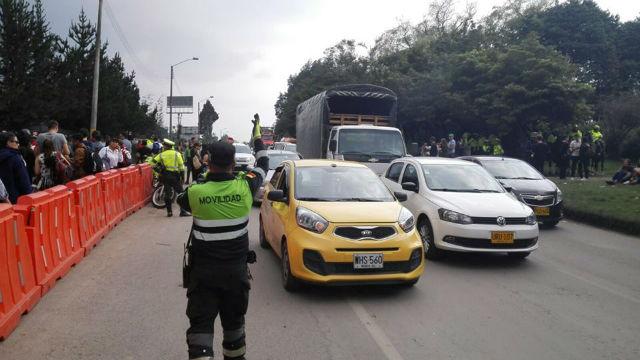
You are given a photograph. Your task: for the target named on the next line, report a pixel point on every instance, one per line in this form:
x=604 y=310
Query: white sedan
x=459 y=206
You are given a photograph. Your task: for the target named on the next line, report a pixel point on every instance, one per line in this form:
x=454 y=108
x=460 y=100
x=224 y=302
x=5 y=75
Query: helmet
x=596 y=126
x=168 y=142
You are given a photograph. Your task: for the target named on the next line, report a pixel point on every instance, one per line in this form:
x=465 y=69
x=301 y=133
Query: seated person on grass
x=623 y=174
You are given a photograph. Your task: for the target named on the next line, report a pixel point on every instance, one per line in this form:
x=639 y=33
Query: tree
x=27 y=52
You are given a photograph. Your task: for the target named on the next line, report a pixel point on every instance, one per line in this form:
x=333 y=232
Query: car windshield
x=339 y=183
x=243 y=149
x=364 y=144
x=459 y=178
x=511 y=169
x=277 y=159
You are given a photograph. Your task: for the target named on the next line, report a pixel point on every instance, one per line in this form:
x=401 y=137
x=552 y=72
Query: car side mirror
x=277 y=196
x=333 y=145
x=401 y=196
x=410 y=186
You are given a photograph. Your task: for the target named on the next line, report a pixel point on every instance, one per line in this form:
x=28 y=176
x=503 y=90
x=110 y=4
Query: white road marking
x=375 y=331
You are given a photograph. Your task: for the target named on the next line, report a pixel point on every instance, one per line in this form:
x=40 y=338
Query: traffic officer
x=596 y=134
x=218 y=249
x=171 y=168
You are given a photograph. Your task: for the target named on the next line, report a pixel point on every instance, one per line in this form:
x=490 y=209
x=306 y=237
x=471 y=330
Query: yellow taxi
x=335 y=222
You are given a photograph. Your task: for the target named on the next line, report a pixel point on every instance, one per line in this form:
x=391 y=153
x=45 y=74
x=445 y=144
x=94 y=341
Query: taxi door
x=280 y=211
x=266 y=209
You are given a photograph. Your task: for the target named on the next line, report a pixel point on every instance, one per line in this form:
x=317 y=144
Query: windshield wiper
x=468 y=190
x=451 y=190
x=358 y=200
x=354 y=153
x=524 y=178
x=314 y=199
x=386 y=153
x=486 y=191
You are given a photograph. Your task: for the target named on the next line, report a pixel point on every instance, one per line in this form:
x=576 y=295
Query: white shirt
x=574 y=148
x=110 y=158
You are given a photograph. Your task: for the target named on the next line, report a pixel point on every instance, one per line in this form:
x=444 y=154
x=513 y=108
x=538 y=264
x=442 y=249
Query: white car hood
x=481 y=204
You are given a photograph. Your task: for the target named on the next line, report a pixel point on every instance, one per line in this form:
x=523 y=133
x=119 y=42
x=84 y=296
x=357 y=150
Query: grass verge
x=592 y=201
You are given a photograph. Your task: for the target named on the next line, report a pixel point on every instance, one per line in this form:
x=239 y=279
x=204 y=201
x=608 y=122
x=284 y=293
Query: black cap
x=222 y=154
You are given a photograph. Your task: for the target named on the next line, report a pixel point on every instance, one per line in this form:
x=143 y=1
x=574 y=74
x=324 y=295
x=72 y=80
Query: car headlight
x=406 y=221
x=558 y=196
x=454 y=217
x=311 y=221
x=531 y=219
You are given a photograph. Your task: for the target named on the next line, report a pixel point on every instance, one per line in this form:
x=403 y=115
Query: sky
x=247 y=49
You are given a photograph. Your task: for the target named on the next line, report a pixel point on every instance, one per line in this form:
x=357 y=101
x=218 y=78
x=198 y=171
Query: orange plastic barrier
x=131 y=189
x=111 y=185
x=66 y=223
x=92 y=221
x=50 y=257
x=18 y=290
x=146 y=177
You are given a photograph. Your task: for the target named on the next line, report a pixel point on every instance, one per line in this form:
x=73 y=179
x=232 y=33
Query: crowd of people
x=32 y=162
x=574 y=154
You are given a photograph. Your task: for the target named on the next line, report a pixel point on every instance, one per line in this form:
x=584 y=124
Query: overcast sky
x=247 y=49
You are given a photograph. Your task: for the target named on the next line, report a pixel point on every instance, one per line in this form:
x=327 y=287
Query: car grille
x=494 y=221
x=315 y=262
x=486 y=243
x=365 y=232
x=538 y=200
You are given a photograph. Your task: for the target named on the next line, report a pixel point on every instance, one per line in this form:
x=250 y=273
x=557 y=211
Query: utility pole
x=96 y=73
x=171 y=103
x=171 y=92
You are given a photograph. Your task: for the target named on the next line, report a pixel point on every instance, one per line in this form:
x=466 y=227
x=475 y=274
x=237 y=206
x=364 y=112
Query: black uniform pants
x=170 y=180
x=217 y=290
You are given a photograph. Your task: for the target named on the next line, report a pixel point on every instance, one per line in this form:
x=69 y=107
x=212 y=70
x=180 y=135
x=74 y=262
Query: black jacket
x=14 y=174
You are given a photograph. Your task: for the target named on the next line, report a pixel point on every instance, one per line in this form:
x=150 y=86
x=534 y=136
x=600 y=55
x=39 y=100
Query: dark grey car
x=527 y=184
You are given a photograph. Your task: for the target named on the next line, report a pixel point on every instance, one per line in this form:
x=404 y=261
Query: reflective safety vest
x=497 y=150
x=596 y=135
x=221 y=209
x=171 y=159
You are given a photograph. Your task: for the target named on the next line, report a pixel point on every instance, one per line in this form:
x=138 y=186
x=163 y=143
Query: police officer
x=171 y=170
x=217 y=282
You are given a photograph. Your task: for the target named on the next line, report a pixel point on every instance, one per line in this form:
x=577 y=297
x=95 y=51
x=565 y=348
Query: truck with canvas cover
x=351 y=122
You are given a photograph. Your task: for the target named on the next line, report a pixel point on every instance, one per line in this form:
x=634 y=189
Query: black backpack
x=89 y=163
x=97 y=161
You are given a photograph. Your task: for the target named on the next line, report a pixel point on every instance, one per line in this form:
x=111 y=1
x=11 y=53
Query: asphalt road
x=577 y=297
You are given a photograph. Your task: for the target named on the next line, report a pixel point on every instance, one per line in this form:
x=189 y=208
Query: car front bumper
x=328 y=259
x=477 y=237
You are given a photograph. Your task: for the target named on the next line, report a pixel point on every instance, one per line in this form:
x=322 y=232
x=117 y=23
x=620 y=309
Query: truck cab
x=374 y=146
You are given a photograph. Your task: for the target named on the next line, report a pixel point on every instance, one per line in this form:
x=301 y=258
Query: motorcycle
x=158 y=193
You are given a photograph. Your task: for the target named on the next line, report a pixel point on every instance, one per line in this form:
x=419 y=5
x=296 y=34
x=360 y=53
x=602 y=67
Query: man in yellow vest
x=596 y=134
x=171 y=167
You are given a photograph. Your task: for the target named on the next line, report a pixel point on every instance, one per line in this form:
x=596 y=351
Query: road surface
x=578 y=297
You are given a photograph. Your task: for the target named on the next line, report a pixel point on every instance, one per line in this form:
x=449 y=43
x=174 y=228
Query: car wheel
x=289 y=282
x=519 y=255
x=263 y=237
x=431 y=252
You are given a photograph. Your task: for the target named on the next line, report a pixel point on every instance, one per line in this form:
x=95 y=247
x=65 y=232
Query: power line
x=150 y=75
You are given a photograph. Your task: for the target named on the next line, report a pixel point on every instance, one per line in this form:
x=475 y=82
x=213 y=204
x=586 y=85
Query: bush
x=630 y=147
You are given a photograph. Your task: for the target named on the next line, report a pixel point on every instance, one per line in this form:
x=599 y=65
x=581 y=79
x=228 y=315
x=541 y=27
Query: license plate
x=368 y=261
x=541 y=211
x=502 y=237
